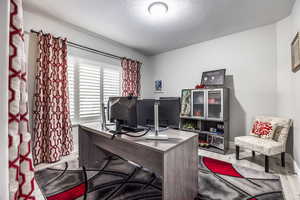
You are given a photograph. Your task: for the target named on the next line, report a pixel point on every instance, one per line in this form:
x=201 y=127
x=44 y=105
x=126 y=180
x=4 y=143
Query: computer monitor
x=169 y=112
x=145 y=110
x=123 y=111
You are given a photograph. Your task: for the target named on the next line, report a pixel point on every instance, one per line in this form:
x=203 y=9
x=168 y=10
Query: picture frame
x=158 y=85
x=295 y=53
x=213 y=78
x=186 y=95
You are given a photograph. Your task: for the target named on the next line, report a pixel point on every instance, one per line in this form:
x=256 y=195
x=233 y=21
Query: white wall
x=288 y=89
x=39 y=22
x=4 y=10
x=250 y=60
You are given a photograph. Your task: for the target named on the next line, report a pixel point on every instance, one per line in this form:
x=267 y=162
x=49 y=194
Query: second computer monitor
x=169 y=112
x=145 y=114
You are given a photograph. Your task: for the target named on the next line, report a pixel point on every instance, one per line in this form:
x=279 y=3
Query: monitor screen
x=123 y=109
x=145 y=110
x=169 y=112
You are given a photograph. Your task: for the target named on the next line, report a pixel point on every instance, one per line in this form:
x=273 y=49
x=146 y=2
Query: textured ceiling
x=187 y=22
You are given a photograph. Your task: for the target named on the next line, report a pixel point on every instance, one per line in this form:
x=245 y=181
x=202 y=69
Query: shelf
x=159 y=92
x=214 y=120
x=198 y=117
x=213 y=103
x=203 y=132
x=185 y=117
x=202 y=118
x=213 y=149
x=212 y=133
x=190 y=117
x=191 y=130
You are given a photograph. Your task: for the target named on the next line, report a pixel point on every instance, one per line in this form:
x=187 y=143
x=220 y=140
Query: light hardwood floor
x=289 y=179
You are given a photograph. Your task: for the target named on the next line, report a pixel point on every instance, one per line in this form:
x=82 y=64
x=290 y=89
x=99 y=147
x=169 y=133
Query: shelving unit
x=206 y=112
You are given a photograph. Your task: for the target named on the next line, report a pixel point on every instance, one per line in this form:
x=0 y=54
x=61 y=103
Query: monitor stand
x=118 y=126
x=156 y=136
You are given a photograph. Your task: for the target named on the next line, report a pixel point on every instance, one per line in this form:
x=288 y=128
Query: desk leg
x=180 y=172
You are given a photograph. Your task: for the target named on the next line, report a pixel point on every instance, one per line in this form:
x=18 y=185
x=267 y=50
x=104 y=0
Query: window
x=90 y=84
x=89 y=92
x=111 y=83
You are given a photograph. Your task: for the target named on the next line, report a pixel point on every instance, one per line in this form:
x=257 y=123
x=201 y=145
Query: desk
x=175 y=160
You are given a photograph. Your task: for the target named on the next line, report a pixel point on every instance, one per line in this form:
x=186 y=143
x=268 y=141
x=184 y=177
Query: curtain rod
x=73 y=44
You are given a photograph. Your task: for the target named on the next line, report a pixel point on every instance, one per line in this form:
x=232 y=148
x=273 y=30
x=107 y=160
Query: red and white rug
x=220 y=180
x=117 y=179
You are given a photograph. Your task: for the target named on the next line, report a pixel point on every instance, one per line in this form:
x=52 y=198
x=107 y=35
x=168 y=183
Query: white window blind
x=89 y=92
x=71 y=89
x=111 y=83
x=90 y=84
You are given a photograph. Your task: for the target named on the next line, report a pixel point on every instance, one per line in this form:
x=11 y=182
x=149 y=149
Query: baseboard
x=297 y=169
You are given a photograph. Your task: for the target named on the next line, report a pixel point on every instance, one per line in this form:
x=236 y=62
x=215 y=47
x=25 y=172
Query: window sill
x=75 y=125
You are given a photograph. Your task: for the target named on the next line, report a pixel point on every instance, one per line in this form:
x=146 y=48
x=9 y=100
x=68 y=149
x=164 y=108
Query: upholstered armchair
x=268 y=147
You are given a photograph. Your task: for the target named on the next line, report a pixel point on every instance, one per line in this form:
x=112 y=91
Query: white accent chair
x=267 y=147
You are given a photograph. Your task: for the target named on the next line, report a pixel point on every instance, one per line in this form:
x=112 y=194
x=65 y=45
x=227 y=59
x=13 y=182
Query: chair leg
x=283 y=159
x=253 y=153
x=266 y=163
x=237 y=152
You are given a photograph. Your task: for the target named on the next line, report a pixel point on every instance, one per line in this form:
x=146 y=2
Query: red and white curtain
x=51 y=113
x=21 y=172
x=130 y=77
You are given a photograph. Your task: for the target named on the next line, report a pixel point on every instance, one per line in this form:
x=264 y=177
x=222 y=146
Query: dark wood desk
x=175 y=160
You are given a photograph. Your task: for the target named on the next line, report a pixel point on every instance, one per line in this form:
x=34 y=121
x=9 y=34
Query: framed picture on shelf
x=186 y=103
x=213 y=78
x=295 y=50
x=158 y=85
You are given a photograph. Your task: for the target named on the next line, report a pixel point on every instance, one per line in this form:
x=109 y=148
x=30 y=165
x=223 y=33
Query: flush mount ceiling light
x=158 y=8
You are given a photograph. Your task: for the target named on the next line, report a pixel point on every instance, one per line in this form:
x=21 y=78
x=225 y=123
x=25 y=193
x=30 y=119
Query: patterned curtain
x=51 y=114
x=131 y=77
x=21 y=172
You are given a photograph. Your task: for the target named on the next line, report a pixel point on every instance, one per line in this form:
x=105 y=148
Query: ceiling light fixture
x=158 y=8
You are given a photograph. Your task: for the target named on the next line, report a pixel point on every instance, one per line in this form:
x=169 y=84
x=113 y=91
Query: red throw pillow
x=263 y=129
